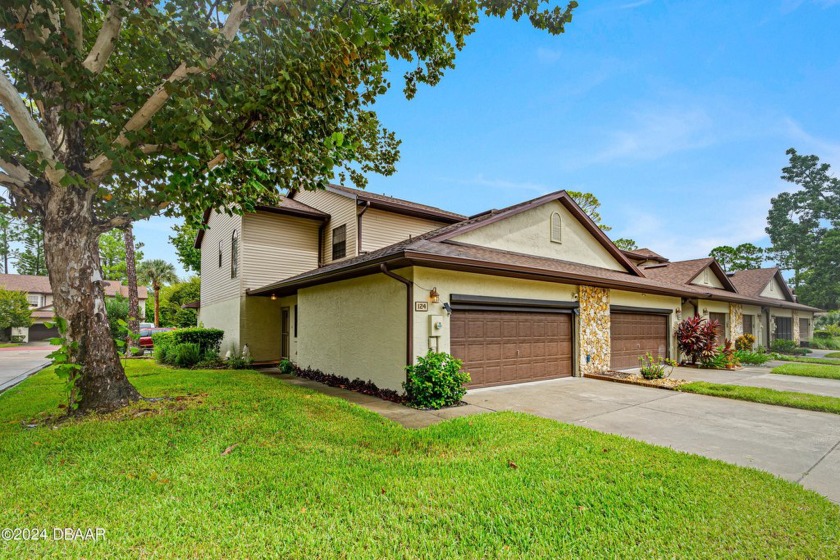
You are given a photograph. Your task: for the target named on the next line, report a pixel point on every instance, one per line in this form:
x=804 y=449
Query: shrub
x=696 y=338
x=236 y=359
x=209 y=340
x=782 y=346
x=752 y=358
x=286 y=366
x=654 y=368
x=17 y=338
x=829 y=331
x=185 y=354
x=716 y=361
x=435 y=381
x=744 y=342
x=163 y=342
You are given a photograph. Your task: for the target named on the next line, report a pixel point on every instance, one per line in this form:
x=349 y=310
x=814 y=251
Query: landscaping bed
x=631 y=378
x=254 y=467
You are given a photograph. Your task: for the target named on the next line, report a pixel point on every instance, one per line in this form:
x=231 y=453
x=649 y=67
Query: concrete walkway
x=761 y=377
x=18 y=363
x=801 y=446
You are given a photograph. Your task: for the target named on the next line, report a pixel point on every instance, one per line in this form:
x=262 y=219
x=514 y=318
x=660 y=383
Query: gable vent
x=556 y=228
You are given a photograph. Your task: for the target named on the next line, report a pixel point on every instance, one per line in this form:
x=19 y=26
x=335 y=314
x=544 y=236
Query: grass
x=827 y=343
x=312 y=476
x=809 y=370
x=10 y=344
x=824 y=361
x=790 y=399
x=833 y=355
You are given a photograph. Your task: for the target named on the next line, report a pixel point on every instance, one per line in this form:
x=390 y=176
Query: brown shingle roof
x=645 y=254
x=752 y=282
x=41 y=285
x=399 y=204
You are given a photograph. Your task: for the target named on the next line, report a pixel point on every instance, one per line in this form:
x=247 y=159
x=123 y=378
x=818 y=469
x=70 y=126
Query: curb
x=14 y=381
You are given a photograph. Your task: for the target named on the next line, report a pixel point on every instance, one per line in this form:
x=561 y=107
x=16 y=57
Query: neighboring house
x=40 y=295
x=359 y=285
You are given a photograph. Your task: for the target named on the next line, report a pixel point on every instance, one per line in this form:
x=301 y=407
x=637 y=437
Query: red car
x=146 y=342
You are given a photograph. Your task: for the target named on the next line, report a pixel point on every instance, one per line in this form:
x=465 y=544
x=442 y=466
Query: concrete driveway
x=17 y=363
x=801 y=446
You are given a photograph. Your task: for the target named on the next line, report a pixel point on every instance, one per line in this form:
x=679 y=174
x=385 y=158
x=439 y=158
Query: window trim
x=341 y=244
x=234 y=254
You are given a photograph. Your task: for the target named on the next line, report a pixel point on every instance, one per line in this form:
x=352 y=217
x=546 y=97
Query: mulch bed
x=636 y=379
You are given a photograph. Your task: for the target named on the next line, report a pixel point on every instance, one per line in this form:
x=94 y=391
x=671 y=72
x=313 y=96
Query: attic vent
x=556 y=228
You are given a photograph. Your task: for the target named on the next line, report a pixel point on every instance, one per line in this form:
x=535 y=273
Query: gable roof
x=753 y=282
x=683 y=272
x=396 y=205
x=487 y=218
x=288 y=206
x=41 y=285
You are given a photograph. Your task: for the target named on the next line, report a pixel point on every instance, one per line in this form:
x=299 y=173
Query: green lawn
x=804 y=360
x=808 y=370
x=791 y=399
x=316 y=477
x=833 y=355
x=10 y=344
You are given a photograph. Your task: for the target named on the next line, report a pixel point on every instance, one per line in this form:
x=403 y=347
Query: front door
x=284 y=332
x=720 y=331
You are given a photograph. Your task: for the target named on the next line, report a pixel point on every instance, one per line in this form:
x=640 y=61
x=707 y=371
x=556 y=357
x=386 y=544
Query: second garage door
x=500 y=347
x=634 y=334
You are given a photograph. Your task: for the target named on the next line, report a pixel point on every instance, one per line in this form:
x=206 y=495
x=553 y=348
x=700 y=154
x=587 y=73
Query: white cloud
x=481 y=181
x=827 y=150
x=548 y=56
x=653 y=134
x=789 y=6
x=634 y=5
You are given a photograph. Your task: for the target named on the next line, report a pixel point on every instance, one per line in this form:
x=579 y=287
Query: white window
x=34 y=299
x=556 y=228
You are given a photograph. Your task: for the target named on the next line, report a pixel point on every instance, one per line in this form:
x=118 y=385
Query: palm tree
x=156 y=272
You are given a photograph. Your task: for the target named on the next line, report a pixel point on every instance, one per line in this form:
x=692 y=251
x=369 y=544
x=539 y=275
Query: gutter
x=409 y=320
x=365 y=204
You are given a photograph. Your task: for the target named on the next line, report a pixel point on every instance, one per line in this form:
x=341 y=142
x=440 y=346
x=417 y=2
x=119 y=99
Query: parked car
x=147 y=325
x=146 y=343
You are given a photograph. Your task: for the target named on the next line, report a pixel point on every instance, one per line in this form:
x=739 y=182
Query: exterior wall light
x=434 y=296
x=273 y=297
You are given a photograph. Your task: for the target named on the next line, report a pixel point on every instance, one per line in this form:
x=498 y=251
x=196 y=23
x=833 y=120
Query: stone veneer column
x=594 y=328
x=736 y=321
x=795 y=327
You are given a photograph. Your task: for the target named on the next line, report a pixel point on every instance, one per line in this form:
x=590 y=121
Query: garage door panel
x=633 y=335
x=514 y=346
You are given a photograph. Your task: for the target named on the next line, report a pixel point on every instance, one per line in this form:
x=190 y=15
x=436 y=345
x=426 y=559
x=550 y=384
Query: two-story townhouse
x=533 y=291
x=308 y=230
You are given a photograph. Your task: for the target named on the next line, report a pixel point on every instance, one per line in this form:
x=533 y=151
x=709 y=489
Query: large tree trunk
x=131 y=274
x=72 y=252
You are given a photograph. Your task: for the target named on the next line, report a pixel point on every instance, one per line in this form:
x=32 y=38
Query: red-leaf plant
x=696 y=338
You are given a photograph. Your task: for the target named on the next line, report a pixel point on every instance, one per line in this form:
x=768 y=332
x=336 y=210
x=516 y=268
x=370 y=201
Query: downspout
x=409 y=321
x=359 y=215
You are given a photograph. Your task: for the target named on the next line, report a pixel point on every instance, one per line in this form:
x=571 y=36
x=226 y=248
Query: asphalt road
x=16 y=363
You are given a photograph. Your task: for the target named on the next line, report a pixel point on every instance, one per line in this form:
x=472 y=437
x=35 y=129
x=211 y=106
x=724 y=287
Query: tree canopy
x=14 y=309
x=112 y=255
x=183 y=239
x=743 y=257
x=803 y=227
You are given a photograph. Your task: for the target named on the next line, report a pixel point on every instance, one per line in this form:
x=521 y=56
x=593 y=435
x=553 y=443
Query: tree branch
x=16 y=171
x=73 y=22
x=101 y=164
x=107 y=38
x=32 y=134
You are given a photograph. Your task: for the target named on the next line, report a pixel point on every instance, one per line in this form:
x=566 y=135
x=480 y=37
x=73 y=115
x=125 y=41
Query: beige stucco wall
x=707 y=278
x=773 y=290
x=224 y=315
x=261 y=328
x=530 y=232
x=355 y=328
x=449 y=282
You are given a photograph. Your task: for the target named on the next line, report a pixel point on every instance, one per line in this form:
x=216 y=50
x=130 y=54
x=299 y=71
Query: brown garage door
x=634 y=334
x=500 y=347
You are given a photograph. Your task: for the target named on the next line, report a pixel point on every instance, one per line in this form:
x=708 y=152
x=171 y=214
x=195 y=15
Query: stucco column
x=736 y=321
x=594 y=328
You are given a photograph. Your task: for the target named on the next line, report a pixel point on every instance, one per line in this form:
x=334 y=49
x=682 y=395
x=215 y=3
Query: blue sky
x=675 y=114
